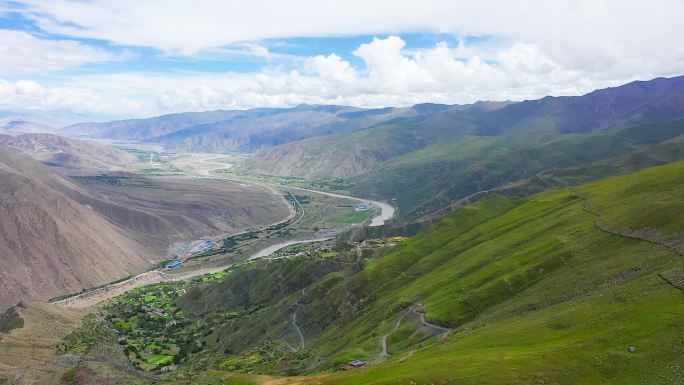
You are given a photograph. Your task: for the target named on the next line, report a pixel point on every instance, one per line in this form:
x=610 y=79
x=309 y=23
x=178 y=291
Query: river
x=94 y=297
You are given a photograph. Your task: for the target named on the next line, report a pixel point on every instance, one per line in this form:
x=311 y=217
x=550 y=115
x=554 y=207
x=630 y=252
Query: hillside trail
x=383 y=342
x=419 y=311
x=294 y=322
x=440 y=331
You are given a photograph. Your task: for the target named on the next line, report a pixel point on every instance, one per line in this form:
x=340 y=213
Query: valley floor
x=206 y=166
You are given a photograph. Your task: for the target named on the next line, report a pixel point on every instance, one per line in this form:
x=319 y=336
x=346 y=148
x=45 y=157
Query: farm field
x=355 y=217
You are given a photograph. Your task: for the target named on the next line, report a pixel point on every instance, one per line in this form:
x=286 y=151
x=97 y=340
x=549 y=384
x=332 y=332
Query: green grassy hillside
x=648 y=156
x=428 y=179
x=555 y=290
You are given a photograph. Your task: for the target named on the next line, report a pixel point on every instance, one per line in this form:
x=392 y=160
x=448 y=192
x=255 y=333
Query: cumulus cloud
x=390 y=76
x=30 y=95
x=331 y=67
x=539 y=47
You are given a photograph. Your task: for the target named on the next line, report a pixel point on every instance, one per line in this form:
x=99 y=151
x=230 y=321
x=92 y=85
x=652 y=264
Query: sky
x=123 y=59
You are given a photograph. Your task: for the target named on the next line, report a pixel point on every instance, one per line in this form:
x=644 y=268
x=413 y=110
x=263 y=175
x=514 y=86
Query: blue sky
x=111 y=59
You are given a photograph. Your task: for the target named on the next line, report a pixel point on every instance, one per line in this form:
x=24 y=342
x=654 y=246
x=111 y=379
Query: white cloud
x=562 y=47
x=28 y=87
x=331 y=67
x=390 y=76
x=388 y=68
x=602 y=35
x=30 y=95
x=24 y=53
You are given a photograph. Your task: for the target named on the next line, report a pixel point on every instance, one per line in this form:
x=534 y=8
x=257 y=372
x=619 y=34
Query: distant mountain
x=656 y=100
x=24 y=126
x=250 y=130
x=356 y=153
x=47 y=118
x=255 y=129
x=76 y=156
x=51 y=244
x=335 y=156
x=146 y=129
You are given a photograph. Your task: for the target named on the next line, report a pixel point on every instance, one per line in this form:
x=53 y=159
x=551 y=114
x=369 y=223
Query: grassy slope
x=334 y=156
x=649 y=156
x=428 y=179
x=598 y=293
x=538 y=290
x=359 y=151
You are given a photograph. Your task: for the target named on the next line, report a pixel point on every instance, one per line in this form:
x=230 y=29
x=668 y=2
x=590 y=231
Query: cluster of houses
x=204 y=246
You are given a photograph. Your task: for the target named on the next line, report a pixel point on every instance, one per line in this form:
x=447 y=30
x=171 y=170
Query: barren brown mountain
x=73 y=155
x=51 y=244
x=58 y=235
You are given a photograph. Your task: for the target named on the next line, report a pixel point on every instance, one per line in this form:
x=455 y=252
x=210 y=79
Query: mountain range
x=545 y=245
x=429 y=155
x=250 y=130
x=602 y=110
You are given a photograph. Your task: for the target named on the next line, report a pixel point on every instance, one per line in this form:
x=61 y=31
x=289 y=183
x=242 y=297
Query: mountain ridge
x=51 y=244
x=651 y=101
x=73 y=155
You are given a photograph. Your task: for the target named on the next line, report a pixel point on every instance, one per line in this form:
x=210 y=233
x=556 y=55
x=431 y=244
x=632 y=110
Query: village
x=157 y=337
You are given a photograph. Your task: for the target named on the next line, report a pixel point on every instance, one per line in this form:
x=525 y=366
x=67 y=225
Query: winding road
x=441 y=331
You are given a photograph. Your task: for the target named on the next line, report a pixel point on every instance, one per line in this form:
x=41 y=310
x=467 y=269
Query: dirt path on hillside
x=383 y=342
x=294 y=321
x=419 y=311
x=299 y=331
x=440 y=331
